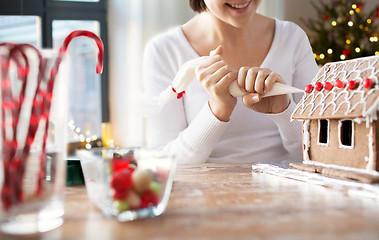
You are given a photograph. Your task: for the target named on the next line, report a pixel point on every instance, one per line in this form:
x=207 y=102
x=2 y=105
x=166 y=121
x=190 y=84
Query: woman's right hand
x=216 y=76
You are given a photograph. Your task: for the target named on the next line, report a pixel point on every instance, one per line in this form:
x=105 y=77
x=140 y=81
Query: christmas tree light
x=343 y=31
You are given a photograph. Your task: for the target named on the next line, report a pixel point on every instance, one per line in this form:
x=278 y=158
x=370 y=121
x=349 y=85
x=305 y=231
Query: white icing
x=370 y=158
x=359 y=120
x=306 y=140
x=371 y=113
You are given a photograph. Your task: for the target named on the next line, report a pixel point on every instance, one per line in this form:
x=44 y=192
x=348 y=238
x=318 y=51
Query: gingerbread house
x=339 y=113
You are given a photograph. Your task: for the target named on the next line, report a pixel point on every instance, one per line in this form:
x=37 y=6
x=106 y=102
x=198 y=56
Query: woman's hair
x=198 y=5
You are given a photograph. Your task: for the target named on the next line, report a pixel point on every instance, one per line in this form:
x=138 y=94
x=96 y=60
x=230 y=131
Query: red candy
x=367 y=83
x=308 y=88
x=122 y=163
x=122 y=180
x=119 y=164
x=120 y=195
x=339 y=83
x=318 y=86
x=328 y=86
x=148 y=199
x=351 y=84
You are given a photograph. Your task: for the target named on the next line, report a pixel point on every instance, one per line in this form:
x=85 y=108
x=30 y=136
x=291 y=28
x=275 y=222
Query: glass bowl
x=128 y=183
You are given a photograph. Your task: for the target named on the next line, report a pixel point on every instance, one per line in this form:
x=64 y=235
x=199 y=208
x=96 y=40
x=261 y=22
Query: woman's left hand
x=257 y=82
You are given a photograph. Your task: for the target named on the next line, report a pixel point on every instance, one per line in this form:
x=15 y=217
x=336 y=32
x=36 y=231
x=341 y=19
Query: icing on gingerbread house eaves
x=345 y=89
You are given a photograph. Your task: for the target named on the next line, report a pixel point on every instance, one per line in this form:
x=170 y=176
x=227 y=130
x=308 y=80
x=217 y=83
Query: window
x=323 y=129
x=45 y=24
x=77 y=0
x=85 y=91
x=12 y=26
x=346 y=133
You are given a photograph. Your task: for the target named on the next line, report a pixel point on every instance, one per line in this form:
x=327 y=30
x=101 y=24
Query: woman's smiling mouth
x=238 y=5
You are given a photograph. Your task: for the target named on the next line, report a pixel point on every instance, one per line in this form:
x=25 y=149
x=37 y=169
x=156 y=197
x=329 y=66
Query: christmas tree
x=343 y=31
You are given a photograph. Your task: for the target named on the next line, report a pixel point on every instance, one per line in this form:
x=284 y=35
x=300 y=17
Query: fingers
x=241 y=80
x=212 y=73
x=218 y=51
x=207 y=63
x=257 y=80
x=228 y=79
x=221 y=69
x=260 y=81
x=270 y=80
x=216 y=76
x=219 y=83
x=250 y=99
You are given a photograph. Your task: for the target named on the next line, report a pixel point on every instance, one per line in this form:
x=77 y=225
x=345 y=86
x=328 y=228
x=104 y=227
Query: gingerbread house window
x=323 y=132
x=346 y=133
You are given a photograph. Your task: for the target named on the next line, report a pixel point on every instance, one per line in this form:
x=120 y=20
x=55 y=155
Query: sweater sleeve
x=196 y=142
x=290 y=131
x=305 y=69
x=169 y=129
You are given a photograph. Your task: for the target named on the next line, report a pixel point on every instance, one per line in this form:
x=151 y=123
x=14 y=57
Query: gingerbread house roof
x=345 y=89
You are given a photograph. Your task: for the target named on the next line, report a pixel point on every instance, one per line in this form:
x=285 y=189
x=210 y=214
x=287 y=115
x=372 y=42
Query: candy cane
x=50 y=87
x=13 y=163
x=11 y=191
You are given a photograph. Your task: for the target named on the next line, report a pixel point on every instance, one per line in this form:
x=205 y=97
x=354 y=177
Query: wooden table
x=229 y=201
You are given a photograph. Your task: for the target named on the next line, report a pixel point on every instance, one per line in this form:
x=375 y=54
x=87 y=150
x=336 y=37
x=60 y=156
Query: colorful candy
x=132 y=187
x=155 y=187
x=318 y=86
x=121 y=205
x=122 y=180
x=367 y=83
x=149 y=198
x=339 y=83
x=351 y=84
x=328 y=86
x=141 y=180
x=308 y=88
x=134 y=200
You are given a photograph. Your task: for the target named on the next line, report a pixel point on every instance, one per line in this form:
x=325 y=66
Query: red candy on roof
x=339 y=83
x=308 y=88
x=351 y=84
x=328 y=86
x=318 y=86
x=367 y=83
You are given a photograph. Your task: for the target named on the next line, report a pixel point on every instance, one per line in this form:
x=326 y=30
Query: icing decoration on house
x=340 y=120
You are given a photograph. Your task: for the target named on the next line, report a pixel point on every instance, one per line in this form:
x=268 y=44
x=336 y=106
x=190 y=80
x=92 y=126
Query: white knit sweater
x=186 y=127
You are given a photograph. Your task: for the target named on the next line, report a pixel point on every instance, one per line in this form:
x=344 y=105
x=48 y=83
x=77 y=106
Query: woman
x=208 y=124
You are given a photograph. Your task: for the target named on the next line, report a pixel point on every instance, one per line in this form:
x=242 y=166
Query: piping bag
x=184 y=77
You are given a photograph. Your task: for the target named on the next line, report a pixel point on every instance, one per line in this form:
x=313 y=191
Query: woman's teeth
x=239 y=6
